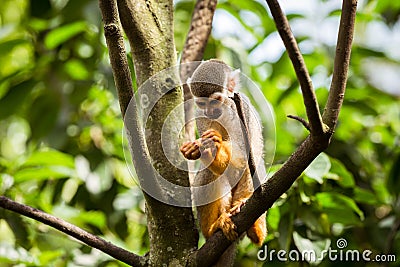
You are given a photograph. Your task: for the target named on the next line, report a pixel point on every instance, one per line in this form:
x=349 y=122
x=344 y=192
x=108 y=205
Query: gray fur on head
x=210 y=77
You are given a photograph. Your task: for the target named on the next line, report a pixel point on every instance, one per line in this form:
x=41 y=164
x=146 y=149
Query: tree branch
x=283 y=179
x=74 y=231
x=197 y=38
x=341 y=65
x=123 y=84
x=309 y=97
x=116 y=48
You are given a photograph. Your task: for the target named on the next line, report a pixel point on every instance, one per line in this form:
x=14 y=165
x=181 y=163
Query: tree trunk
x=149 y=27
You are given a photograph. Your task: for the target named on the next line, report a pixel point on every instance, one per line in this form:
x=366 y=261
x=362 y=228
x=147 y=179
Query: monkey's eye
x=215 y=102
x=201 y=104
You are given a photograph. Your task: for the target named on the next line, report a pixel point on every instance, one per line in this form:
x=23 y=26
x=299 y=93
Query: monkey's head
x=211 y=84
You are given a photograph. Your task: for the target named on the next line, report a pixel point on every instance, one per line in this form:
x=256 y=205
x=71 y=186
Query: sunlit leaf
x=345 y=178
x=43 y=173
x=311 y=250
x=7 y=46
x=273 y=217
x=339 y=202
x=318 y=168
x=64 y=33
x=49 y=158
x=76 y=69
x=365 y=196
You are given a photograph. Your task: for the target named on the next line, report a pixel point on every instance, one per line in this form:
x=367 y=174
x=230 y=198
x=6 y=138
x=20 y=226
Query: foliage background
x=61 y=141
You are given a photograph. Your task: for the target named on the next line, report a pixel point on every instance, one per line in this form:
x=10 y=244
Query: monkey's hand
x=191 y=149
x=210 y=144
x=215 y=153
x=225 y=223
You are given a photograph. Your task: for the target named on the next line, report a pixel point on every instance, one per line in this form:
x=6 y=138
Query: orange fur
x=216 y=215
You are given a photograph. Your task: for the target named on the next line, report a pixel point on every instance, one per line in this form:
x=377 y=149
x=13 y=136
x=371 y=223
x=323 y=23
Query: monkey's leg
x=214 y=216
x=241 y=192
x=208 y=215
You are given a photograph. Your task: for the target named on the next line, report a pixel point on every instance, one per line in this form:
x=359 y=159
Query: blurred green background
x=61 y=141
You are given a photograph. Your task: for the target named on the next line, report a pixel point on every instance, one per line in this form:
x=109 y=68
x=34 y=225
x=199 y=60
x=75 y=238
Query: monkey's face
x=212 y=106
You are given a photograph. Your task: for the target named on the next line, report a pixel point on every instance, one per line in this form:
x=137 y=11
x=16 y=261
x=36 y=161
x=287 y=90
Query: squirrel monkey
x=221 y=149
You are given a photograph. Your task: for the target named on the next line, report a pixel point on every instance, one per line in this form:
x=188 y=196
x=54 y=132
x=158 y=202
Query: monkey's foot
x=227 y=226
x=238 y=206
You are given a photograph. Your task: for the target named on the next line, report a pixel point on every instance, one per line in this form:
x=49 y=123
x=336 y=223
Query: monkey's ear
x=234 y=81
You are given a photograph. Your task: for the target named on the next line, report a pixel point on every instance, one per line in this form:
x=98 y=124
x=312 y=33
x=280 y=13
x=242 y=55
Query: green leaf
x=341 y=217
x=365 y=196
x=79 y=217
x=273 y=217
x=310 y=250
x=76 y=69
x=318 y=168
x=315 y=222
x=344 y=177
x=7 y=46
x=49 y=158
x=339 y=202
x=62 y=34
x=15 y=97
x=43 y=173
x=285 y=230
x=48 y=257
x=19 y=228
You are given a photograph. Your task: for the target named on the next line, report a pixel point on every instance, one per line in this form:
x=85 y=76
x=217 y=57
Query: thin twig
x=341 y=65
x=309 y=97
x=74 y=231
x=300 y=119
